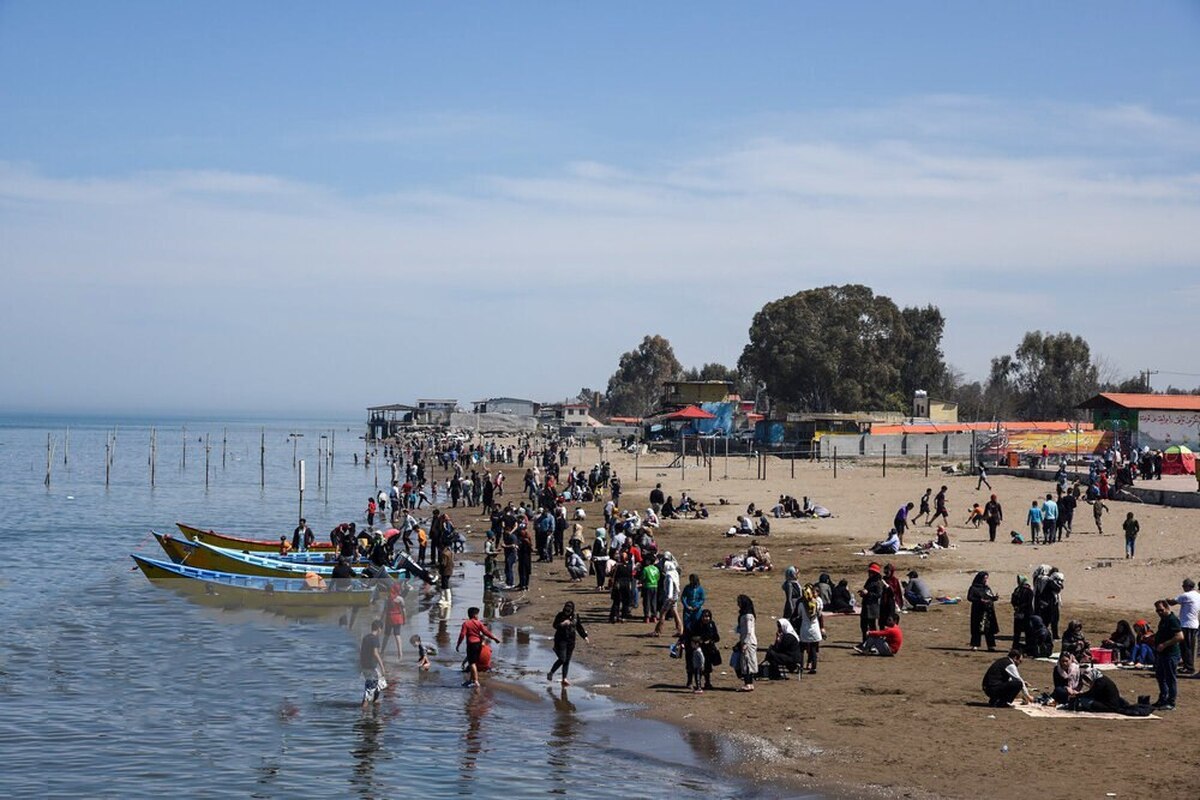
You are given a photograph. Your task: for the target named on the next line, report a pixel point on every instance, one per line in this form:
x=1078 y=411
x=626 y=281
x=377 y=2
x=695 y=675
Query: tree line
x=845 y=348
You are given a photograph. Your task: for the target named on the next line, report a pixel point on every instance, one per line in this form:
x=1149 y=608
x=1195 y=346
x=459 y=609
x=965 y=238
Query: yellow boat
x=239 y=562
x=226 y=590
x=238 y=542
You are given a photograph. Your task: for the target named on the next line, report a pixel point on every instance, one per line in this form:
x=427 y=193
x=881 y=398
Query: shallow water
x=110 y=686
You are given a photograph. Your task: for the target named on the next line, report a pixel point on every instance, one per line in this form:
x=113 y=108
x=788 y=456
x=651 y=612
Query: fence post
x=885 y=459
x=793 y=466
x=835 y=461
x=927 y=461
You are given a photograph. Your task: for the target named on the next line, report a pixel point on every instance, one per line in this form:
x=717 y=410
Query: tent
x=689 y=414
x=1178 y=460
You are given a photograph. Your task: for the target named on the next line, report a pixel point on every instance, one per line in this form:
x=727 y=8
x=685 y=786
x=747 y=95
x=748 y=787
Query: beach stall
x=1178 y=460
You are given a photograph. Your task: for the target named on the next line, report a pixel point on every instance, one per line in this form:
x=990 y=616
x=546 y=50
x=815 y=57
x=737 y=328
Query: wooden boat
x=240 y=543
x=178 y=550
x=227 y=590
x=240 y=562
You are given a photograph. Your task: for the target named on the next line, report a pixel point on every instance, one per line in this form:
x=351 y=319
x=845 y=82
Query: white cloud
x=937 y=192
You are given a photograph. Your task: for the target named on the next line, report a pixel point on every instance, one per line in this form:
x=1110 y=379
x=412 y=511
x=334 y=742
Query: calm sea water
x=110 y=686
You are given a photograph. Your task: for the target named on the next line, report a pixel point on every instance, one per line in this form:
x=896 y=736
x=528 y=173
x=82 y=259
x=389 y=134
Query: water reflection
x=565 y=731
x=367 y=730
x=477 y=704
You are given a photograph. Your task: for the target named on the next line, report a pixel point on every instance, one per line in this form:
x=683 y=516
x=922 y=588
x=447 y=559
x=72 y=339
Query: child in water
x=422 y=653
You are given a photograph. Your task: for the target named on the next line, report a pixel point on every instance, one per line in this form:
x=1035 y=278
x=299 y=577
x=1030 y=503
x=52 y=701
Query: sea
x=113 y=687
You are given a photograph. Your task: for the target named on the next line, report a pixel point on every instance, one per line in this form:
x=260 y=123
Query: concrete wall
x=906 y=445
x=1156 y=497
x=493 y=423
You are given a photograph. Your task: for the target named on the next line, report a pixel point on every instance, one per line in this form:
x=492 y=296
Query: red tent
x=688 y=414
x=1178 y=460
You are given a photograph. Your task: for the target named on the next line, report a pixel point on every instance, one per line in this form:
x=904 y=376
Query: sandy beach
x=915 y=725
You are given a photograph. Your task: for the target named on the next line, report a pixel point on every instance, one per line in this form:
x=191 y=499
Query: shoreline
x=829 y=734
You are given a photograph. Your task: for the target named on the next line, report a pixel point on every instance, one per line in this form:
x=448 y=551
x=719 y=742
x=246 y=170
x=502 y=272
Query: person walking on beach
x=1131 y=528
x=1189 y=621
x=600 y=559
x=1098 y=509
x=900 y=523
x=939 y=508
x=668 y=588
x=394 y=619
x=1167 y=640
x=993 y=515
x=1022 y=603
x=923 y=512
x=473 y=632
x=983 y=481
x=1034 y=518
x=1050 y=520
x=445 y=571
x=747 y=646
x=657 y=498
x=566 y=627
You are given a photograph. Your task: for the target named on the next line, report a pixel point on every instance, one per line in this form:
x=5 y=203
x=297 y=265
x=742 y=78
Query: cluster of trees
x=845 y=348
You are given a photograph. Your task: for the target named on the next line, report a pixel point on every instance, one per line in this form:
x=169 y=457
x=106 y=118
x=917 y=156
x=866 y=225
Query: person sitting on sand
x=884 y=642
x=1073 y=642
x=778 y=510
x=745 y=525
x=763 y=528
x=916 y=591
x=888 y=546
x=1143 y=648
x=1002 y=682
x=825 y=587
x=668 y=509
x=757 y=557
x=785 y=654
x=1068 y=682
x=701 y=512
x=943 y=537
x=1121 y=642
x=842 y=601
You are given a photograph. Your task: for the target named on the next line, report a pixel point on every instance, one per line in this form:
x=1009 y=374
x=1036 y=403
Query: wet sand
x=915 y=725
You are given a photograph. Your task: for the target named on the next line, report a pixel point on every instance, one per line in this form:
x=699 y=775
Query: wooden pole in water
x=262 y=458
x=153 y=454
x=67 y=446
x=48 y=450
x=185 y=447
x=224 y=445
x=300 y=512
x=207 y=450
x=107 y=460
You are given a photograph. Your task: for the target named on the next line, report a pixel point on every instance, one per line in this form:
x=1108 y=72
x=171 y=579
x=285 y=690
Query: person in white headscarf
x=600 y=558
x=785 y=654
x=668 y=594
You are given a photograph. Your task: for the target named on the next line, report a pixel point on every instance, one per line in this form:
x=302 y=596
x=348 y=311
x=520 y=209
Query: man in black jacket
x=1002 y=682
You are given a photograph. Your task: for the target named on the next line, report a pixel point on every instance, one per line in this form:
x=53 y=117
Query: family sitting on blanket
x=748 y=526
x=788 y=506
x=894 y=544
x=756 y=559
x=1084 y=688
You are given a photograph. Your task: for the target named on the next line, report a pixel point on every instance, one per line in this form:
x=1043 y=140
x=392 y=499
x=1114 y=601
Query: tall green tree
x=712 y=372
x=636 y=387
x=843 y=348
x=1046 y=377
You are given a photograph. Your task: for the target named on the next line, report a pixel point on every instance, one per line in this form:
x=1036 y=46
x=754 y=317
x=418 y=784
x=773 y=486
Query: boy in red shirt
x=474 y=632
x=884 y=642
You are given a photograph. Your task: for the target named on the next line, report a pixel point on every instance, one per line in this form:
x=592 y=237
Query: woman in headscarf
x=1073 y=642
x=983 y=612
x=896 y=591
x=747 y=642
x=792 y=594
x=872 y=598
x=706 y=631
x=1022 y=603
x=825 y=589
x=668 y=594
x=1121 y=642
x=809 y=629
x=692 y=600
x=842 y=601
x=786 y=653
x=566 y=626
x=1067 y=679
x=600 y=558
x=1040 y=642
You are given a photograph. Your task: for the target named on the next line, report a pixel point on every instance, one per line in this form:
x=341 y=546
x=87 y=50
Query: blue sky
x=313 y=207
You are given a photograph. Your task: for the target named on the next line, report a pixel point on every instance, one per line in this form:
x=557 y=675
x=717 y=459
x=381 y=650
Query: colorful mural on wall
x=995 y=444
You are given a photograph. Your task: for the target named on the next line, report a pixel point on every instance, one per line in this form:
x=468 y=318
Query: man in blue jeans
x=1166 y=654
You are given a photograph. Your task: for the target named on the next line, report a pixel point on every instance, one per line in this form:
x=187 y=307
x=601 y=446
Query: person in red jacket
x=474 y=632
x=883 y=642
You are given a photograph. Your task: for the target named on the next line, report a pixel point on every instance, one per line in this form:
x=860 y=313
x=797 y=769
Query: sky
x=315 y=207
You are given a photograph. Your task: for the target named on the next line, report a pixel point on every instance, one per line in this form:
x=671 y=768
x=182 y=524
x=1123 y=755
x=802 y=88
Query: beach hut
x=1178 y=460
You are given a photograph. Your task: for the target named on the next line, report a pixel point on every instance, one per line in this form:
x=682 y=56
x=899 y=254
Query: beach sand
x=915 y=725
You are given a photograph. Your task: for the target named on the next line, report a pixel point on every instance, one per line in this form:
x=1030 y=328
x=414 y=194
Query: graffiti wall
x=1159 y=429
x=996 y=443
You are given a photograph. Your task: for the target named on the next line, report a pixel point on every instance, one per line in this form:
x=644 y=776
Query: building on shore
x=1156 y=421
x=506 y=405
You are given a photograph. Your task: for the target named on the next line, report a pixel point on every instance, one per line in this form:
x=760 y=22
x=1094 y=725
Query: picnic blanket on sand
x=1036 y=710
x=1102 y=667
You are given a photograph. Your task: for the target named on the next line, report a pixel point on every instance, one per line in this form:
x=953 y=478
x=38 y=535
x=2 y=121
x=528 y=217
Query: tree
x=1047 y=376
x=843 y=348
x=635 y=388
x=597 y=403
x=712 y=372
